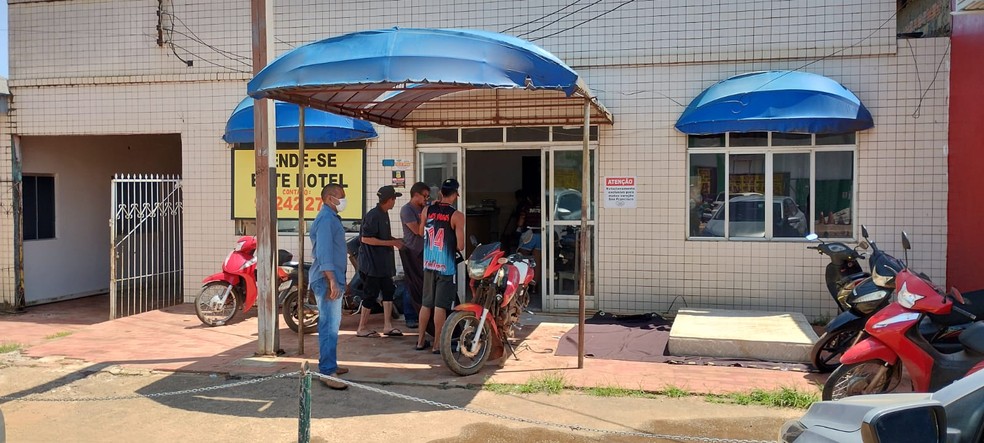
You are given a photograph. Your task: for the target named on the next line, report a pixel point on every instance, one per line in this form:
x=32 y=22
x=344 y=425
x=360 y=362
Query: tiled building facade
x=83 y=68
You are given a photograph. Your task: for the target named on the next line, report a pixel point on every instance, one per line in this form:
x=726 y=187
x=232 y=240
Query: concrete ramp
x=769 y=336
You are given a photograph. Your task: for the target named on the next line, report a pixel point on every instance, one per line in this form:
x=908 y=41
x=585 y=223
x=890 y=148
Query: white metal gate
x=145 y=236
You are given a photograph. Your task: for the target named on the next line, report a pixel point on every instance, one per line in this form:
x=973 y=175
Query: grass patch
x=549 y=383
x=674 y=392
x=616 y=391
x=779 y=398
x=58 y=335
x=10 y=347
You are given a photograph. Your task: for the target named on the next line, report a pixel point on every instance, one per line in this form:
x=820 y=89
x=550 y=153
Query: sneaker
x=341 y=371
x=336 y=385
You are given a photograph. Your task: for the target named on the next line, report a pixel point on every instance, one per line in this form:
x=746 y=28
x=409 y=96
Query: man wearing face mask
x=377 y=263
x=327 y=279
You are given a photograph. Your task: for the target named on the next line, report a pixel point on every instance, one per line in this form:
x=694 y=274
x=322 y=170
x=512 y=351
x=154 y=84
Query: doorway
x=551 y=176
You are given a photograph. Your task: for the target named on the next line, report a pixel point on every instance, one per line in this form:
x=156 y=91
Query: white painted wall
x=93 y=67
x=76 y=261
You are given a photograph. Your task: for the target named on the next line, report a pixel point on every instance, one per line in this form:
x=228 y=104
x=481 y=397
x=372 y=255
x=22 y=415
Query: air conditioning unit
x=969 y=7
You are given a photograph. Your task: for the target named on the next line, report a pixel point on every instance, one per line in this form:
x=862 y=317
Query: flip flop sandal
x=424 y=347
x=370 y=334
x=436 y=351
x=394 y=333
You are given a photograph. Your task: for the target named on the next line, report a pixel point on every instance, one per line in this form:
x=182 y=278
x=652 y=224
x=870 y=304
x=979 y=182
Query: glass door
x=561 y=205
x=434 y=166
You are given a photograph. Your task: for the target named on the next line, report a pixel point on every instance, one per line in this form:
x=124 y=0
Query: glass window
x=528 y=134
x=811 y=190
x=791 y=194
x=567 y=186
x=835 y=191
x=437 y=136
x=836 y=139
x=481 y=135
x=784 y=139
x=39 y=207
x=706 y=141
x=573 y=134
x=744 y=139
x=706 y=190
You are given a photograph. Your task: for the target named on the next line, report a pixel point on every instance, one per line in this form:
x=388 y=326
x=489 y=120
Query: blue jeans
x=329 y=320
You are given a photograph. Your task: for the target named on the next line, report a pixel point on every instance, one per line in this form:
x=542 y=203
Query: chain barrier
x=532 y=421
x=253 y=381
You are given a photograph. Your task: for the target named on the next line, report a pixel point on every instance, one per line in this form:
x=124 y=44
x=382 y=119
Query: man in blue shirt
x=327 y=279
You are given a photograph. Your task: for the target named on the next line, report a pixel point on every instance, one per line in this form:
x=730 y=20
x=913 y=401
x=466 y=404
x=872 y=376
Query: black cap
x=387 y=192
x=450 y=185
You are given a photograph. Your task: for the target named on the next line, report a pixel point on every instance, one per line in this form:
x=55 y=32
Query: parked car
x=747 y=214
x=567 y=204
x=954 y=414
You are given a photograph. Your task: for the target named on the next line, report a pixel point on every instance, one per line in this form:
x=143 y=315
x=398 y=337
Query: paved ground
x=267 y=411
x=173 y=339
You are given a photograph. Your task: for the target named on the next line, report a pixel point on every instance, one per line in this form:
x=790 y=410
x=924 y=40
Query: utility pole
x=265 y=148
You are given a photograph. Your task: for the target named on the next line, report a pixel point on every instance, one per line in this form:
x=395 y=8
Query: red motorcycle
x=872 y=365
x=480 y=330
x=234 y=289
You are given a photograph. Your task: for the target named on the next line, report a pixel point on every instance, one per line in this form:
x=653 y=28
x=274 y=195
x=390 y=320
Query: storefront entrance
x=551 y=176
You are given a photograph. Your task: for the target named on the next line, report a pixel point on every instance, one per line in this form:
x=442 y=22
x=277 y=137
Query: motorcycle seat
x=972 y=338
x=974 y=305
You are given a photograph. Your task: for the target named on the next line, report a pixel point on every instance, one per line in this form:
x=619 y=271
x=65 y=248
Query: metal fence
x=146 y=269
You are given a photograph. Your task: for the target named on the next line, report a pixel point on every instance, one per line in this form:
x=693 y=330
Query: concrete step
x=769 y=336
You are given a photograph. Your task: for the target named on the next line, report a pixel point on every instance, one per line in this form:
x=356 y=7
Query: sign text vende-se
x=345 y=167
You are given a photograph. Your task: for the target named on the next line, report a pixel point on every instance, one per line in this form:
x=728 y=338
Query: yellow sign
x=321 y=167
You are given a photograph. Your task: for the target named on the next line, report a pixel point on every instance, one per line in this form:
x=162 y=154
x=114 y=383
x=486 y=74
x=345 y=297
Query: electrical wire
x=915 y=113
x=559 y=19
x=586 y=21
x=175 y=45
x=194 y=37
x=540 y=18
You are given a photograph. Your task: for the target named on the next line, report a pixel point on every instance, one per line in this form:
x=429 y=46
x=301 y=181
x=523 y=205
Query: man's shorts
x=373 y=287
x=440 y=291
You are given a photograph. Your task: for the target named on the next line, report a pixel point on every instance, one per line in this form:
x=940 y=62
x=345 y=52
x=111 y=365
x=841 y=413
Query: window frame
x=769 y=152
x=54 y=207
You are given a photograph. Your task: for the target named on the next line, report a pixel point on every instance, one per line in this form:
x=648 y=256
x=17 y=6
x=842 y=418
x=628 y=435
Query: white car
x=747 y=214
x=954 y=414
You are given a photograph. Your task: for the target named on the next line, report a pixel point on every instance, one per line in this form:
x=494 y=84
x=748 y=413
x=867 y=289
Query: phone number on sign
x=294 y=204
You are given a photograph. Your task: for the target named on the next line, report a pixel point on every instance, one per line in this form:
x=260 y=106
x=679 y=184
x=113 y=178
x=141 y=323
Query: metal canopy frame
x=441 y=101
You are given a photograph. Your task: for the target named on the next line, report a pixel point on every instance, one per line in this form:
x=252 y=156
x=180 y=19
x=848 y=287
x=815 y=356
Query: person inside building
x=377 y=263
x=412 y=252
x=794 y=221
x=327 y=280
x=444 y=236
x=530 y=219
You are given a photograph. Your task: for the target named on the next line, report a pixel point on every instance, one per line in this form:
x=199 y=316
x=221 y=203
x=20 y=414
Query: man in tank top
x=444 y=235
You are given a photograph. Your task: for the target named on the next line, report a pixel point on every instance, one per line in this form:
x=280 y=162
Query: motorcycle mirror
x=473 y=240
x=812 y=236
x=905 y=241
x=864 y=231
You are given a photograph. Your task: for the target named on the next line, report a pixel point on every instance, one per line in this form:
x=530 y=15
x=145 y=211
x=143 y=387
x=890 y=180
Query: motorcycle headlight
x=790 y=431
x=907 y=299
x=476 y=269
x=868 y=303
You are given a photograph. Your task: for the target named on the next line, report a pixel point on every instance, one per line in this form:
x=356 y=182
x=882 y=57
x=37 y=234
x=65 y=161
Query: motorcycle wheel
x=862 y=378
x=457 y=337
x=289 y=311
x=207 y=306
x=826 y=353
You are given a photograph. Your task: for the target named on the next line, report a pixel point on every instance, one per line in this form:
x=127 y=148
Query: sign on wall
x=620 y=192
x=321 y=167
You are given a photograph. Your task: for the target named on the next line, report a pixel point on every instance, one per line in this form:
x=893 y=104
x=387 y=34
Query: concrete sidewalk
x=173 y=339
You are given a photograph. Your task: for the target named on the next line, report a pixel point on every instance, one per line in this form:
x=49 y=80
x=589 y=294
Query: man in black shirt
x=377 y=263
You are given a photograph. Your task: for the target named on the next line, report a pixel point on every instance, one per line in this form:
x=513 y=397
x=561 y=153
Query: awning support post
x=583 y=253
x=301 y=288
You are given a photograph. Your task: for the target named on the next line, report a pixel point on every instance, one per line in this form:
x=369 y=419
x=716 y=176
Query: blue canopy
x=780 y=101
x=319 y=126
x=387 y=75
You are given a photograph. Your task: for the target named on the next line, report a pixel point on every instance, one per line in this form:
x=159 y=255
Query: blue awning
x=319 y=126
x=780 y=101
x=428 y=78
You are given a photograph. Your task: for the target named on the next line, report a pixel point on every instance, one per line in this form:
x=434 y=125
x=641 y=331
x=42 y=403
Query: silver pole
x=583 y=245
x=301 y=290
